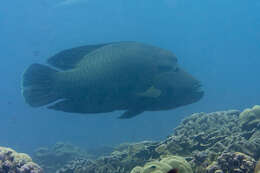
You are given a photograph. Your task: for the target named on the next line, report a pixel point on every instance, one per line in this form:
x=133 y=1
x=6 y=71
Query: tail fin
x=37 y=85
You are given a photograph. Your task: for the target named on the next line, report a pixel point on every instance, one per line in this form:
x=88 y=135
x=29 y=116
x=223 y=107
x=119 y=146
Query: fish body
x=129 y=76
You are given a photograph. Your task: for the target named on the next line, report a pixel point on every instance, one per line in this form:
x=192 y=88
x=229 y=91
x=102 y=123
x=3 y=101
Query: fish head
x=178 y=88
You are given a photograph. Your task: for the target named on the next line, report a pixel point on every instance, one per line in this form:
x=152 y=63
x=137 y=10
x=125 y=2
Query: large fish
x=129 y=76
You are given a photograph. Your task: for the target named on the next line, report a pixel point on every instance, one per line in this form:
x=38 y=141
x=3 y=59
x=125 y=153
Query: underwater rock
x=233 y=163
x=250 y=118
x=51 y=159
x=175 y=164
x=13 y=162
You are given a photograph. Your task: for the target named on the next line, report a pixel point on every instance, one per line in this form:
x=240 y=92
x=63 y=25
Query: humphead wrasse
x=129 y=76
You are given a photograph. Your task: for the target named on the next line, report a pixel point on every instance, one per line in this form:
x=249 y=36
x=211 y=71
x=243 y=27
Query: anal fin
x=130 y=113
x=79 y=106
x=68 y=106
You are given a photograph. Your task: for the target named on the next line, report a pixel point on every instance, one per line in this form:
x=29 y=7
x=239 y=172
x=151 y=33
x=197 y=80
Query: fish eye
x=164 y=68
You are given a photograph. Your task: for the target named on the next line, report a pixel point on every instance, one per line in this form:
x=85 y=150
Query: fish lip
x=197 y=86
x=198 y=89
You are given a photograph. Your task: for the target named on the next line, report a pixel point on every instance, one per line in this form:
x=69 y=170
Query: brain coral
x=250 y=118
x=168 y=164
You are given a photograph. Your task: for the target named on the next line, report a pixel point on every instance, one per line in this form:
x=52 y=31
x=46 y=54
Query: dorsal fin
x=68 y=58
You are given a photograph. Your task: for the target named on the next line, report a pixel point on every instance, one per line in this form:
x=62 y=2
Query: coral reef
x=224 y=141
x=13 y=162
x=166 y=165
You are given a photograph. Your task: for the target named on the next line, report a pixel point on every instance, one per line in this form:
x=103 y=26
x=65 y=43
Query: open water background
x=218 y=41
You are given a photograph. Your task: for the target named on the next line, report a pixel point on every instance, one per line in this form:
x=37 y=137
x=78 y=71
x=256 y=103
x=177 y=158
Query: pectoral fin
x=151 y=92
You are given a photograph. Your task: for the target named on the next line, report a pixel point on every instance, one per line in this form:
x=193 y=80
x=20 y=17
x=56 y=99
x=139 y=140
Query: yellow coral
x=19 y=158
x=250 y=118
x=256 y=110
x=165 y=165
x=156 y=167
x=5 y=150
x=137 y=169
x=179 y=163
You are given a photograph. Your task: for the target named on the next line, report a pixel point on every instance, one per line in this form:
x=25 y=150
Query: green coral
x=165 y=165
x=250 y=118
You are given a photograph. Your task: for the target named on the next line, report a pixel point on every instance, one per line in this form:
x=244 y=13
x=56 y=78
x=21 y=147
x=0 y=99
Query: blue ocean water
x=217 y=41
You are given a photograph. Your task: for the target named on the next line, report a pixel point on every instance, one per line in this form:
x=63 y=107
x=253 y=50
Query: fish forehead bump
x=168 y=54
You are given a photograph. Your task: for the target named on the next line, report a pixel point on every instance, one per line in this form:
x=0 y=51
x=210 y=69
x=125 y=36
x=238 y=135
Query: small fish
x=130 y=76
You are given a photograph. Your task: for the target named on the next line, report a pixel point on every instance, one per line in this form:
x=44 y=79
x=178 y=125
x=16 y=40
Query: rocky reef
x=218 y=142
x=13 y=162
